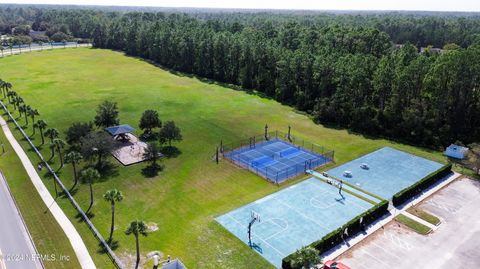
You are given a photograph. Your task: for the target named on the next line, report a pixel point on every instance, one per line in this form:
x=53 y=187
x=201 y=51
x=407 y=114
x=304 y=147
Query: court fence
x=230 y=152
x=116 y=261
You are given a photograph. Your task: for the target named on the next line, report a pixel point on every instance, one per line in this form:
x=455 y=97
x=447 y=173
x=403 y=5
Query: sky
x=425 y=5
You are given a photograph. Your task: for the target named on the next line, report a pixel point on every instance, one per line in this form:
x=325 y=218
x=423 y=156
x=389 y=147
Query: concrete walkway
x=76 y=241
x=394 y=211
x=16 y=241
x=421 y=221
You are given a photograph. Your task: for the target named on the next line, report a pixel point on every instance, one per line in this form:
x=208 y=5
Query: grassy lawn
x=412 y=224
x=424 y=215
x=48 y=236
x=67 y=85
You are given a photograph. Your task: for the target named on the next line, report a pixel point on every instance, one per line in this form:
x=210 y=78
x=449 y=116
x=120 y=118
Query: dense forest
x=364 y=72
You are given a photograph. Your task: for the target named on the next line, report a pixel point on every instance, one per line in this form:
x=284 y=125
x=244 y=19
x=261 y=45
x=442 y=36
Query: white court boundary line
x=349 y=201
x=259 y=237
x=281 y=230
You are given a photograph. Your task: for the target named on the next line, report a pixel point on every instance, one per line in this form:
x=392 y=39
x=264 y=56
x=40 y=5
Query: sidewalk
x=394 y=211
x=76 y=241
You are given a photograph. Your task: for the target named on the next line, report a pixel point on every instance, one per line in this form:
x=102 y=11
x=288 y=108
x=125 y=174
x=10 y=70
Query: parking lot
x=454 y=244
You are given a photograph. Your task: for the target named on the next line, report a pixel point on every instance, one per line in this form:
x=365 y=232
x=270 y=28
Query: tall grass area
x=47 y=234
x=67 y=85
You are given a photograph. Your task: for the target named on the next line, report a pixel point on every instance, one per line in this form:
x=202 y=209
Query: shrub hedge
x=336 y=236
x=409 y=192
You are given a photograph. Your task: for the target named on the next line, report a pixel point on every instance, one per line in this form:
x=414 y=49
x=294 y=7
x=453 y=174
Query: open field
x=67 y=85
x=48 y=236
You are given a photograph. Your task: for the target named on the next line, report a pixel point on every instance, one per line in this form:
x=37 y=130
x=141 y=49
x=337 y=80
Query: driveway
x=16 y=249
x=453 y=245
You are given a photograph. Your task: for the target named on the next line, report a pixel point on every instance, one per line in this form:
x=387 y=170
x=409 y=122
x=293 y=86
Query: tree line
x=345 y=70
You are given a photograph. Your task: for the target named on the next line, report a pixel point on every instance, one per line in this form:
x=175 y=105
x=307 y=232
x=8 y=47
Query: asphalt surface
x=16 y=248
x=453 y=245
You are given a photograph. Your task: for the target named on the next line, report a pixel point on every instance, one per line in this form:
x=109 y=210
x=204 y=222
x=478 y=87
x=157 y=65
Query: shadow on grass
x=152 y=170
x=114 y=244
x=170 y=151
x=90 y=215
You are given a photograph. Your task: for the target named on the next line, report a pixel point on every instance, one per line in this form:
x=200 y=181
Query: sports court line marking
x=348 y=201
x=259 y=237
x=280 y=231
x=303 y=215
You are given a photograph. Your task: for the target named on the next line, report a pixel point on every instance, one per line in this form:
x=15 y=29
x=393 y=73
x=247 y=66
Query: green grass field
x=67 y=85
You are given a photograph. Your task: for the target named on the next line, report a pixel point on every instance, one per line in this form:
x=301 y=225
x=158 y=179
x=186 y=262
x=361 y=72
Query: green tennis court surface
x=293 y=217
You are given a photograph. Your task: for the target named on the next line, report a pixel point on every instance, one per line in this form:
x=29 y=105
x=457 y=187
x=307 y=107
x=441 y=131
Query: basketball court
x=292 y=218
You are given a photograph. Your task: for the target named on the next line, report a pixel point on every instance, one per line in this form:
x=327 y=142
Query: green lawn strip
x=47 y=234
x=424 y=215
x=412 y=224
x=67 y=85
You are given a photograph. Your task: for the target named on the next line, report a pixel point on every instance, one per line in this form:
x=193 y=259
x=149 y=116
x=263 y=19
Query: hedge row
x=336 y=236
x=417 y=188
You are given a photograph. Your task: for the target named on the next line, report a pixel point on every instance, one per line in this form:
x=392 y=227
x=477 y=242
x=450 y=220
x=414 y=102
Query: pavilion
x=120 y=131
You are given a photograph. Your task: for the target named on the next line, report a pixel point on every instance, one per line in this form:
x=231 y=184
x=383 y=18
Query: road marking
x=2 y=261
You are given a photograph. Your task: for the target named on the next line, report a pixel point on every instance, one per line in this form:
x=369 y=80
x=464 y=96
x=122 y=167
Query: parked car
x=335 y=265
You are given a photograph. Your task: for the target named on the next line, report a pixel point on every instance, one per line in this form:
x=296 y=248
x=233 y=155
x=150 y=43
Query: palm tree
x=52 y=147
x=10 y=96
x=305 y=257
x=59 y=145
x=137 y=227
x=32 y=113
x=41 y=125
x=6 y=86
x=2 y=83
x=52 y=133
x=90 y=175
x=152 y=153
x=21 y=108
x=113 y=196
x=27 y=112
x=74 y=158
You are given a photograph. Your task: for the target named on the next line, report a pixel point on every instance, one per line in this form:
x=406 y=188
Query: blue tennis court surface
x=293 y=217
x=276 y=160
x=389 y=171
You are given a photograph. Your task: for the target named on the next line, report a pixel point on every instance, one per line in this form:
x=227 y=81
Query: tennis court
x=293 y=217
x=388 y=171
x=276 y=159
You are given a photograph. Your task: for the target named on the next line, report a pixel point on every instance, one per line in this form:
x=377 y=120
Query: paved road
x=454 y=245
x=8 y=52
x=16 y=247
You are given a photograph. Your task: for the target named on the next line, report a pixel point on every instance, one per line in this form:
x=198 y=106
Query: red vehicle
x=335 y=265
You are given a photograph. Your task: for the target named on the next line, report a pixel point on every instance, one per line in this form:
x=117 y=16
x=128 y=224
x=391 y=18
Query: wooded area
x=362 y=72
